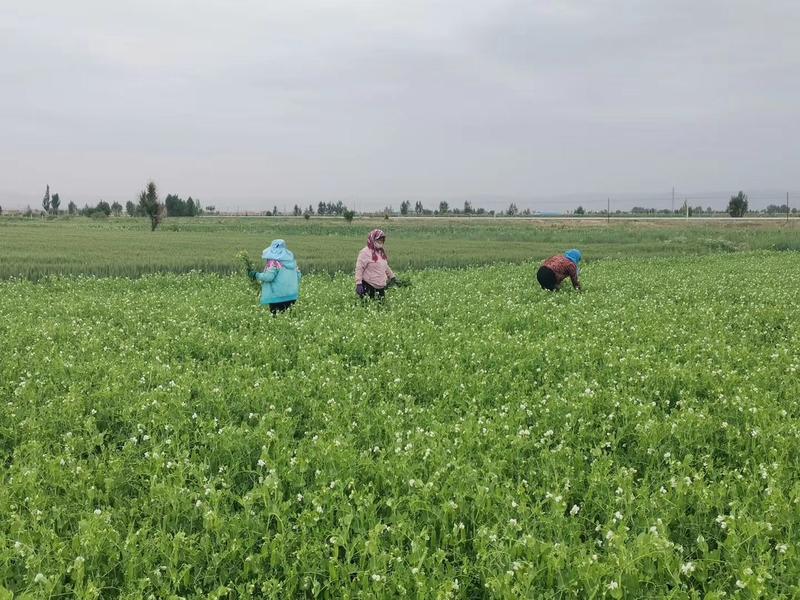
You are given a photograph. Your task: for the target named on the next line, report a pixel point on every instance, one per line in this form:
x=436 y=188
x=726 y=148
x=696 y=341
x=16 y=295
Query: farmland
x=472 y=437
x=126 y=247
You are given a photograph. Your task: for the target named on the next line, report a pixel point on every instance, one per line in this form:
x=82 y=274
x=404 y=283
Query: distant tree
x=274 y=211
x=737 y=207
x=527 y=212
x=103 y=207
x=130 y=208
x=580 y=211
x=322 y=208
x=467 y=207
x=213 y=209
x=776 y=209
x=28 y=212
x=443 y=208
x=191 y=209
x=697 y=210
x=297 y=211
x=405 y=205
x=512 y=210
x=46 y=200
x=306 y=215
x=1 y=210
x=150 y=206
x=418 y=208
x=348 y=215
x=116 y=208
x=72 y=208
x=55 y=202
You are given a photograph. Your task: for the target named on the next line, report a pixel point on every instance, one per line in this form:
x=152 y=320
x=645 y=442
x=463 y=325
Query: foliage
x=55 y=202
x=150 y=206
x=637 y=440
x=46 y=200
x=348 y=215
x=247 y=266
x=737 y=207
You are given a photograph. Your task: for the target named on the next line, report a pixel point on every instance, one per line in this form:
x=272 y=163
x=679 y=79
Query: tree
x=404 y=206
x=55 y=202
x=1 y=210
x=418 y=208
x=443 y=208
x=467 y=207
x=737 y=207
x=116 y=208
x=213 y=209
x=103 y=207
x=72 y=208
x=46 y=200
x=150 y=206
x=512 y=210
x=580 y=211
x=130 y=208
x=191 y=209
x=297 y=211
x=348 y=215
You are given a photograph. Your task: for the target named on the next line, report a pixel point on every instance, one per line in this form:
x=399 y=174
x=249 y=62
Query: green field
x=474 y=437
x=126 y=247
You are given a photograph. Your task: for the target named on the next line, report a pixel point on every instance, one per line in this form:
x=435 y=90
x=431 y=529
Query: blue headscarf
x=573 y=255
x=278 y=251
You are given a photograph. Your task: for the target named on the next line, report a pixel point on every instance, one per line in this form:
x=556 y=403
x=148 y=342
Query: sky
x=249 y=104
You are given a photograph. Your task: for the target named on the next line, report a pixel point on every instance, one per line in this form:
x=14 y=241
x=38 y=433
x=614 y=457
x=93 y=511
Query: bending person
x=280 y=279
x=557 y=268
x=372 y=267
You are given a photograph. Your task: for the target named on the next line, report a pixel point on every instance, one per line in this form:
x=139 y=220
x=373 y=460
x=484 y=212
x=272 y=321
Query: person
x=557 y=268
x=373 y=274
x=280 y=279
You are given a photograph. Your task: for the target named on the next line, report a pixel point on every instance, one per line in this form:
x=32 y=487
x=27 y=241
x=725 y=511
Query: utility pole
x=673 y=199
x=787 y=207
x=608 y=211
x=686 y=202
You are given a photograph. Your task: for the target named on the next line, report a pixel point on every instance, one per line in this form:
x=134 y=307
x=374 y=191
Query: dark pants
x=547 y=279
x=372 y=292
x=280 y=307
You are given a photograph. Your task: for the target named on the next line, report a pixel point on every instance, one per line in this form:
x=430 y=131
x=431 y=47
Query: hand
x=361 y=289
x=251 y=274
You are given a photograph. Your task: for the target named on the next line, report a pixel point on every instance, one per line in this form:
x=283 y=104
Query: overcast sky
x=253 y=103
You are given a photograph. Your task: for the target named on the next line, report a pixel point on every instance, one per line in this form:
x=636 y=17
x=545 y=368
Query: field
x=473 y=437
x=125 y=247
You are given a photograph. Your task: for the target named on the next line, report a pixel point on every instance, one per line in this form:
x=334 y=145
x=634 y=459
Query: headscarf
x=277 y=253
x=573 y=256
x=374 y=235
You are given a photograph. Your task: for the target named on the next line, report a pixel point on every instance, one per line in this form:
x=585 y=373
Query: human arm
x=266 y=276
x=361 y=263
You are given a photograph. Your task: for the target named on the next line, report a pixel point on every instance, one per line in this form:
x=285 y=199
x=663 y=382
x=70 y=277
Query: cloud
x=250 y=102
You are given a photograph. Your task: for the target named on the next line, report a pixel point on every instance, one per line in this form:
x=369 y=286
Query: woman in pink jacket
x=372 y=267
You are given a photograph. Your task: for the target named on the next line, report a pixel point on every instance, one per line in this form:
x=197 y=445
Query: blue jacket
x=279 y=282
x=280 y=285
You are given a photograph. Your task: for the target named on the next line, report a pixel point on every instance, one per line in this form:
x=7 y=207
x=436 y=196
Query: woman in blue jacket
x=280 y=279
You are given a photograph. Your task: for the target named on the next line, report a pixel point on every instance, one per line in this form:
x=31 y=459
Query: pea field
x=471 y=437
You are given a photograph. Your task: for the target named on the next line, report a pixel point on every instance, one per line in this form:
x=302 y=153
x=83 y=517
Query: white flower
x=613 y=585
x=740 y=584
x=376 y=577
x=618 y=516
x=261 y=462
x=40 y=578
x=574 y=510
x=782 y=548
x=97 y=511
x=687 y=568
